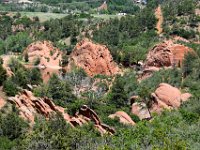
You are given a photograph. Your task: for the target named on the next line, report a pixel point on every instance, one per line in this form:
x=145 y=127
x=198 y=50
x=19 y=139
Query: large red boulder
x=167 y=97
x=93 y=58
x=123 y=117
x=140 y=110
x=166 y=54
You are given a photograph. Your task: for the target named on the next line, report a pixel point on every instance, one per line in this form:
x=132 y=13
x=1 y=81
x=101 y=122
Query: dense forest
x=129 y=39
x=74 y=6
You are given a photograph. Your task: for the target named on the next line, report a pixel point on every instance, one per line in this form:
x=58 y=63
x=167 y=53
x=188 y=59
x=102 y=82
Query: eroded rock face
x=140 y=110
x=93 y=58
x=123 y=117
x=2 y=102
x=86 y=114
x=104 y=6
x=49 y=58
x=30 y=106
x=167 y=97
x=166 y=54
x=46 y=52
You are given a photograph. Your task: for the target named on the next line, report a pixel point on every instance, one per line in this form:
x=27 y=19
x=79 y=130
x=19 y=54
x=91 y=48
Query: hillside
x=99 y=75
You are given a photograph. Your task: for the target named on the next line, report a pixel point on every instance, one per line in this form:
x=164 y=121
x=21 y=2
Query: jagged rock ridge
x=30 y=106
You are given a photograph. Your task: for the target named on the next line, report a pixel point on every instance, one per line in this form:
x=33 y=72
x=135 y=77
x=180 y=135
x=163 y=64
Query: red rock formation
x=93 y=58
x=104 y=6
x=166 y=54
x=164 y=97
x=30 y=106
x=86 y=114
x=50 y=57
x=46 y=52
x=2 y=102
x=123 y=117
x=167 y=97
x=140 y=110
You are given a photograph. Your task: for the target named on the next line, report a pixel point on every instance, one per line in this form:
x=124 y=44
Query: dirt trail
x=159 y=16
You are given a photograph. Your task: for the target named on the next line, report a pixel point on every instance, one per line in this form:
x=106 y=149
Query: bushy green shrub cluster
x=20 y=78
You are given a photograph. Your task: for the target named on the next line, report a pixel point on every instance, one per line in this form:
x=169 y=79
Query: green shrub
x=12 y=126
x=3 y=74
x=10 y=88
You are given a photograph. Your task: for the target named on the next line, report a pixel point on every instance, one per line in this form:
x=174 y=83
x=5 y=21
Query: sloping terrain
x=132 y=72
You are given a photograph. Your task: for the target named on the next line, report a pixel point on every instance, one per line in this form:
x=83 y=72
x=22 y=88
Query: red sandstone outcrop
x=104 y=6
x=140 y=110
x=166 y=54
x=93 y=58
x=123 y=117
x=45 y=51
x=2 y=102
x=86 y=114
x=167 y=97
x=164 y=97
x=48 y=56
x=30 y=106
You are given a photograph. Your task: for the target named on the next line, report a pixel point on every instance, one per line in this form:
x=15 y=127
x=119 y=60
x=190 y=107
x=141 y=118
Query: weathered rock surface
x=45 y=51
x=140 y=110
x=167 y=97
x=49 y=57
x=30 y=106
x=93 y=58
x=2 y=102
x=104 y=6
x=164 y=97
x=86 y=114
x=123 y=117
x=166 y=54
